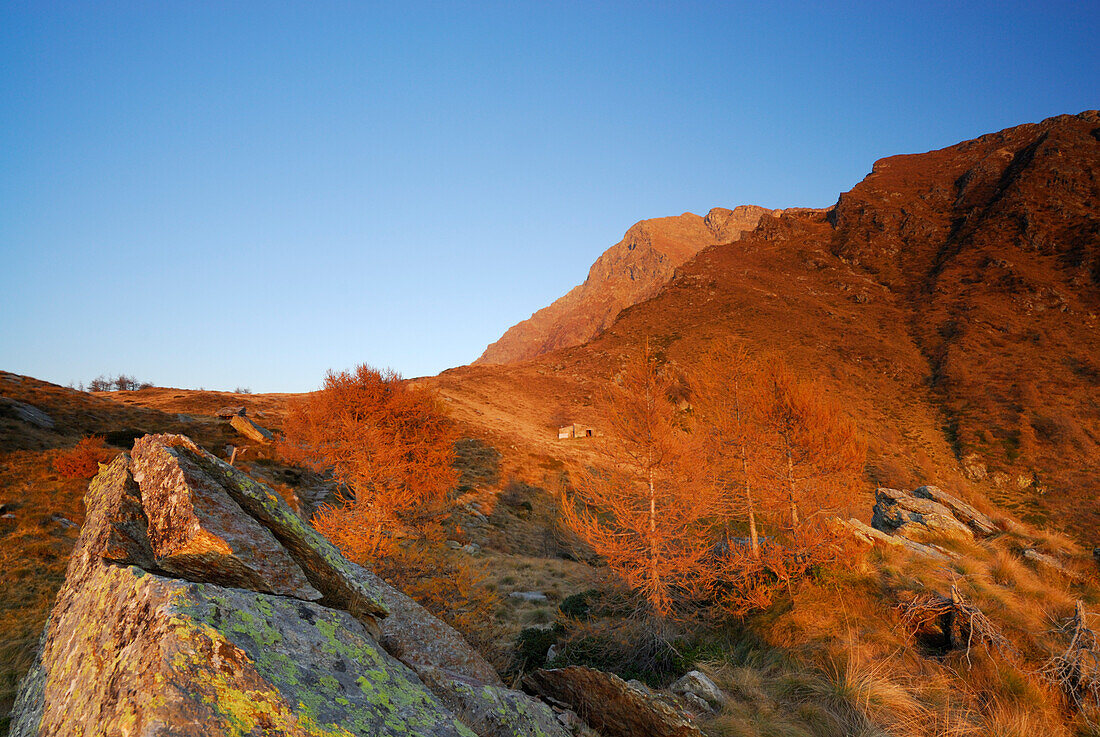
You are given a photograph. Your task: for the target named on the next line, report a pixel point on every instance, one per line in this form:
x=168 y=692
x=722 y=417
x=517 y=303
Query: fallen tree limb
x=963 y=624
x=1076 y=670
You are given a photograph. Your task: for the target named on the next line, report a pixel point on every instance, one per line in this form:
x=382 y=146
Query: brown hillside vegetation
x=950 y=300
x=633 y=269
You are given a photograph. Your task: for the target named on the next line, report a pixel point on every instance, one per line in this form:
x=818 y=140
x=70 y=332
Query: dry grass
x=34 y=551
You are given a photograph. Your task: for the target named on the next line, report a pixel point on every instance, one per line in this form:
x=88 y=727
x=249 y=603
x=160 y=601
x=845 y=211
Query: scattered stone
x=454 y=545
x=229 y=412
x=973 y=467
x=697 y=704
x=251 y=430
x=27 y=413
x=898 y=512
x=475 y=511
x=870 y=536
x=611 y=705
x=574 y=725
x=471 y=549
x=491 y=710
x=1050 y=562
x=62 y=521
x=198 y=532
x=978 y=522
x=697 y=684
x=529 y=596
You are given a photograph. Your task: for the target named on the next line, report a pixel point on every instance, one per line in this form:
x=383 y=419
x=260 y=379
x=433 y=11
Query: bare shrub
x=83 y=459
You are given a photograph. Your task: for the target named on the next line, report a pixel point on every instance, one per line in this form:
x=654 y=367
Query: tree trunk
x=790 y=488
x=753 y=541
x=656 y=600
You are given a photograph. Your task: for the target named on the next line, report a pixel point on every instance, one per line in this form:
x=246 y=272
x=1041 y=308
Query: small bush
x=652 y=651
x=531 y=647
x=82 y=460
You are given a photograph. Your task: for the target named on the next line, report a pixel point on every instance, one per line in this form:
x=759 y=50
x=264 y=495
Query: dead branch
x=1076 y=670
x=963 y=624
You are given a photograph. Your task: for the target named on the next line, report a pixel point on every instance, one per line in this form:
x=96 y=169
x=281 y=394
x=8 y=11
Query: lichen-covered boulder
x=610 y=704
x=421 y=640
x=127 y=652
x=132 y=653
x=198 y=532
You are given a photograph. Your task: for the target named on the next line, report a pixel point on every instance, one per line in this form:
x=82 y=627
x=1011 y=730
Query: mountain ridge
x=631 y=270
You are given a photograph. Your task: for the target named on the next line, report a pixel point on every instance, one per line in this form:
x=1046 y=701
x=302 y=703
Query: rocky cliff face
x=197 y=603
x=632 y=270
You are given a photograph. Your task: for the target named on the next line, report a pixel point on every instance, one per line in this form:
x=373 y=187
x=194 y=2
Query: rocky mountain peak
x=632 y=270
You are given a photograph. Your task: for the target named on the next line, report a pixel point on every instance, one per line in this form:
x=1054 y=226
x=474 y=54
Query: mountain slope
x=628 y=272
x=951 y=299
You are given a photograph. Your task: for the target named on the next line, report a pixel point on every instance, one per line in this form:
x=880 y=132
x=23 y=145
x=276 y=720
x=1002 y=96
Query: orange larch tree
x=387 y=441
x=726 y=400
x=646 y=509
x=818 y=456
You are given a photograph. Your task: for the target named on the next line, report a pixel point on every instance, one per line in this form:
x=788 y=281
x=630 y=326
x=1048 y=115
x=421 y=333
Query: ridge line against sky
x=243 y=195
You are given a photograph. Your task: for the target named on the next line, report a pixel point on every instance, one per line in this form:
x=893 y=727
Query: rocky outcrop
x=869 y=535
x=227 y=413
x=198 y=532
x=27 y=413
x=251 y=430
x=611 y=705
x=197 y=603
x=696 y=685
x=918 y=519
x=980 y=523
x=1050 y=562
x=632 y=270
x=915 y=520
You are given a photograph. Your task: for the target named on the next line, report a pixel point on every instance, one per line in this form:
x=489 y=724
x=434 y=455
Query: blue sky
x=226 y=194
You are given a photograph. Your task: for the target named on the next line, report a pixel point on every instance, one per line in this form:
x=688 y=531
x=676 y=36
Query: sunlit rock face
x=197 y=603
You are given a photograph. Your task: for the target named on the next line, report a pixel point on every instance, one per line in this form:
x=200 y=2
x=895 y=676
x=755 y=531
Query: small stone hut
x=575 y=431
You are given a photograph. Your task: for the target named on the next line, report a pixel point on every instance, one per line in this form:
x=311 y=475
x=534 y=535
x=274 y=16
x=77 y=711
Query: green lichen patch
x=319 y=660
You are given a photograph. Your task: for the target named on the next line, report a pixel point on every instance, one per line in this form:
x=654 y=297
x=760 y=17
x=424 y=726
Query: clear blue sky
x=219 y=194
